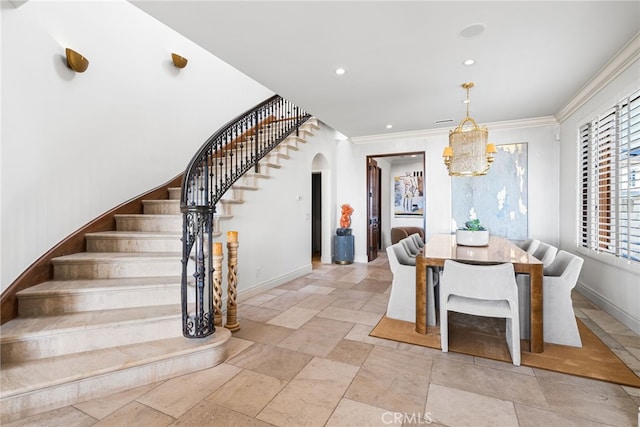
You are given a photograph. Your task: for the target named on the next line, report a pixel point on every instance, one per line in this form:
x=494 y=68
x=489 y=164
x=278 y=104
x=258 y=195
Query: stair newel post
x=232 y=260
x=217 y=284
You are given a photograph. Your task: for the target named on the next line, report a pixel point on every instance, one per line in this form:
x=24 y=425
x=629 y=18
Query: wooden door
x=373 y=208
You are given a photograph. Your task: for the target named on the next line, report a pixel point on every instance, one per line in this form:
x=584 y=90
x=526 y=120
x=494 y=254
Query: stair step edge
x=83 y=286
x=111 y=318
x=128 y=358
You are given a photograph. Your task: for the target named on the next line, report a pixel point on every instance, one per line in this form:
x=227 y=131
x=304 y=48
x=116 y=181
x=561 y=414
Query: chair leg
x=444 y=330
x=513 y=339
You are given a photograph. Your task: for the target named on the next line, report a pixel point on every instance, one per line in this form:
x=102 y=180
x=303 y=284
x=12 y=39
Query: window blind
x=609 y=168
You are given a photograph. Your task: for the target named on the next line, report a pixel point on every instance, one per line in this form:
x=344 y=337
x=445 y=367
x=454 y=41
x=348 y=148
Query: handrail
x=223 y=159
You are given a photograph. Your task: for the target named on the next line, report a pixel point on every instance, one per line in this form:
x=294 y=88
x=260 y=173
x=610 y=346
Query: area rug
x=484 y=337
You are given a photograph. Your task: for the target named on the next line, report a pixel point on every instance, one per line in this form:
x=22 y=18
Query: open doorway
x=385 y=188
x=316 y=215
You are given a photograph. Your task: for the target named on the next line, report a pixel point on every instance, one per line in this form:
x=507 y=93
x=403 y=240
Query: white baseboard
x=269 y=284
x=610 y=308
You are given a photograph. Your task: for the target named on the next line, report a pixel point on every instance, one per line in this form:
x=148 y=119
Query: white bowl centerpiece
x=473 y=234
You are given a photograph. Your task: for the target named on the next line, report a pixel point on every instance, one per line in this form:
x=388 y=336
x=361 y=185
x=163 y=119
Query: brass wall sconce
x=75 y=61
x=178 y=60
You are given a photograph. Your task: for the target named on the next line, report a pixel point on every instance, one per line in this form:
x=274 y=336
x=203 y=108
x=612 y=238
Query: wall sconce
x=468 y=153
x=178 y=60
x=75 y=61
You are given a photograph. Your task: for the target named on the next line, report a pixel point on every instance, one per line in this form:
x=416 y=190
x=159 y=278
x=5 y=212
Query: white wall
x=76 y=145
x=274 y=223
x=543 y=155
x=611 y=283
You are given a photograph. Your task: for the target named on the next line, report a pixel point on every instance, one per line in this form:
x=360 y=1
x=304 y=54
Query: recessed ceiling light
x=469 y=61
x=389 y=126
x=340 y=71
x=472 y=30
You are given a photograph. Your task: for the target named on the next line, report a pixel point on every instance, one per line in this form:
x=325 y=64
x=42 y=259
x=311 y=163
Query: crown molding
x=622 y=60
x=507 y=124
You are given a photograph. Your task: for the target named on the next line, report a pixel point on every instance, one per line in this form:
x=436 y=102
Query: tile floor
x=303 y=357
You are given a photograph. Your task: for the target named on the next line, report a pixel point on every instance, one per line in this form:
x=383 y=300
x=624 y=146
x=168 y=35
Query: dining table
x=441 y=247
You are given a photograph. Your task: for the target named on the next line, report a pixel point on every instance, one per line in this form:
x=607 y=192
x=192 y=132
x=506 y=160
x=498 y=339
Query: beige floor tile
x=353 y=293
x=207 y=413
x=536 y=417
x=314 y=289
x=352 y=413
x=273 y=361
x=177 y=395
x=236 y=346
x=296 y=284
x=286 y=301
x=317 y=337
x=336 y=284
x=261 y=332
x=67 y=416
x=103 y=406
x=257 y=314
x=355 y=276
x=454 y=407
x=589 y=399
x=498 y=383
x=354 y=316
x=506 y=366
x=258 y=299
x=317 y=302
x=351 y=352
x=392 y=379
x=310 y=398
x=377 y=304
x=136 y=414
x=349 y=303
x=607 y=322
x=293 y=318
x=248 y=392
x=371 y=285
x=628 y=340
x=361 y=333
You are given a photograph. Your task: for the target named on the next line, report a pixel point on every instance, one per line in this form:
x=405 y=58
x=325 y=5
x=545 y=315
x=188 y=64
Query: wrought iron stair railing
x=223 y=159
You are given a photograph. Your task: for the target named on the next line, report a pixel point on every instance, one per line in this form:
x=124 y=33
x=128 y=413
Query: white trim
x=626 y=56
x=507 y=124
x=610 y=308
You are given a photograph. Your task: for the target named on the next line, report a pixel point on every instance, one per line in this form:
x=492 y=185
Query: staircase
x=110 y=319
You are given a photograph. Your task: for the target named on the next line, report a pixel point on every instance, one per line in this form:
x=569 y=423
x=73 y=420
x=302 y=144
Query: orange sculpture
x=345 y=219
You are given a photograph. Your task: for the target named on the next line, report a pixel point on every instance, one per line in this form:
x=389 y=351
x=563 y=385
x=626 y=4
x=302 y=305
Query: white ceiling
x=404 y=59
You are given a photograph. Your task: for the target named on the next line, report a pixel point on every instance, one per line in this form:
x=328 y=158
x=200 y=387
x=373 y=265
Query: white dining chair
x=410 y=245
x=480 y=290
x=545 y=253
x=417 y=240
x=533 y=246
x=527 y=243
x=402 y=300
x=559 y=319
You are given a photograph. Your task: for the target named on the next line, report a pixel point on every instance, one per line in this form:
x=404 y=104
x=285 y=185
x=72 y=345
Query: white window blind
x=610 y=181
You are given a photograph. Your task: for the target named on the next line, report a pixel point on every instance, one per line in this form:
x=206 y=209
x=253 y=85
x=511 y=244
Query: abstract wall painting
x=498 y=199
x=408 y=192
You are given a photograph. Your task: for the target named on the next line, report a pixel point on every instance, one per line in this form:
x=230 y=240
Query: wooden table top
x=499 y=250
